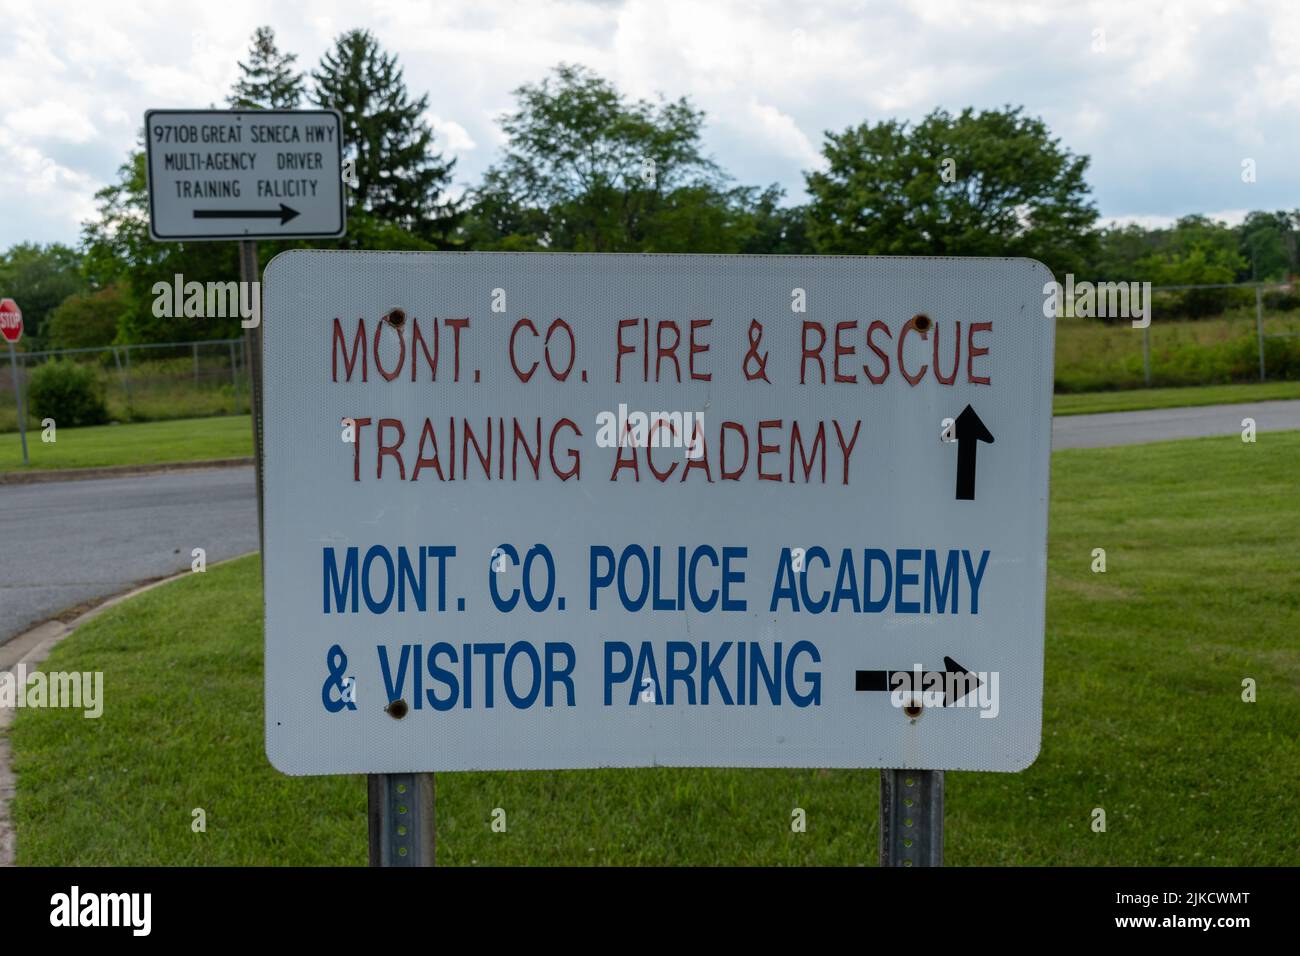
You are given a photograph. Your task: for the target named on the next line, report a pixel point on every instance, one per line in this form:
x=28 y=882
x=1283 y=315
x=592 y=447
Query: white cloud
x=449 y=135
x=29 y=178
x=779 y=131
x=1231 y=217
x=1166 y=111
x=51 y=120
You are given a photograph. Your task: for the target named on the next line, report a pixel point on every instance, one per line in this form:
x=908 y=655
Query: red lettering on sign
x=972 y=351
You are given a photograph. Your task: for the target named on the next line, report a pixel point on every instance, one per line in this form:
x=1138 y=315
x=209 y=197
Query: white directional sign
x=244 y=174
x=558 y=511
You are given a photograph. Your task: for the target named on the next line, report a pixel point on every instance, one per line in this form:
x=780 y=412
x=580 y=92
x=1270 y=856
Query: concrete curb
x=116 y=471
x=31 y=648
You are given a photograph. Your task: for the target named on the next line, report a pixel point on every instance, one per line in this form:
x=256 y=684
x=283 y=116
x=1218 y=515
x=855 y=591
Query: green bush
x=68 y=393
x=1281 y=358
x=1281 y=301
x=86 y=319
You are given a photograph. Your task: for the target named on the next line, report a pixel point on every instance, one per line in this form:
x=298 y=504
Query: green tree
x=402 y=181
x=500 y=217
x=87 y=319
x=268 y=80
x=112 y=240
x=1267 y=241
x=992 y=183
x=774 y=229
x=118 y=248
x=586 y=169
x=1119 y=248
x=1196 y=251
x=38 y=278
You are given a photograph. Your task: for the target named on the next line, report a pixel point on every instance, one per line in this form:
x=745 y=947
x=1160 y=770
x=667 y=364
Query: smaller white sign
x=244 y=174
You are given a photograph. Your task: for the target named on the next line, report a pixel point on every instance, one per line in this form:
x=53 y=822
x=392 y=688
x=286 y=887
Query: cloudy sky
x=1167 y=99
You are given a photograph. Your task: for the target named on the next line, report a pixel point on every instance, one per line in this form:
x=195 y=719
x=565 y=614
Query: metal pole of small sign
x=911 y=818
x=18 y=402
x=248 y=272
x=401 y=815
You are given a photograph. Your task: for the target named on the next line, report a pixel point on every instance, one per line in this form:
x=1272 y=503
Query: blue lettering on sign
x=520 y=675
x=975 y=577
x=380 y=552
x=376 y=579
x=515 y=674
x=886 y=581
x=639 y=577
x=635 y=578
x=340 y=589
x=537 y=598
x=523 y=674
x=870 y=557
x=767 y=673
x=932 y=585
x=902 y=577
x=333 y=691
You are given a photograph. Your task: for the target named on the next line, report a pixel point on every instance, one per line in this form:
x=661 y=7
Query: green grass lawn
x=143 y=443
x=1142 y=717
x=1140 y=398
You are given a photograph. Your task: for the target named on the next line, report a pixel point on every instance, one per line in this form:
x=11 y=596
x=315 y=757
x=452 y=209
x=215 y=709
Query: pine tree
x=400 y=179
x=269 y=81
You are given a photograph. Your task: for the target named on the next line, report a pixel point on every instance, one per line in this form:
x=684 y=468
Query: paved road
x=62 y=543
x=65 y=542
x=1165 y=424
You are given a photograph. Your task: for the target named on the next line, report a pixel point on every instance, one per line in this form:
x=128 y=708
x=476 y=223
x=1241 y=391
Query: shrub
x=1276 y=301
x=86 y=319
x=68 y=393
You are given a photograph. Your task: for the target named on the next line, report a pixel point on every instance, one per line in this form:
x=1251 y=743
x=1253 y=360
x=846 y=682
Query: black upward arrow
x=284 y=214
x=885 y=680
x=970 y=431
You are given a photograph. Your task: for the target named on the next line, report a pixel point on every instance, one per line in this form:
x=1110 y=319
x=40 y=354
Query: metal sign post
x=1259 y=327
x=248 y=272
x=401 y=815
x=276 y=174
x=18 y=399
x=245 y=174
x=11 y=327
x=911 y=818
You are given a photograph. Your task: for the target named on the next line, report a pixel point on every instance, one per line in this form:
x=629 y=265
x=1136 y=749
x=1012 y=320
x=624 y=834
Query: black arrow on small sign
x=970 y=431
x=284 y=214
x=886 y=681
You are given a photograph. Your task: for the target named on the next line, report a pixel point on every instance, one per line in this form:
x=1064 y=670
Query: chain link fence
x=1253 y=337
x=145 y=382
x=1257 y=338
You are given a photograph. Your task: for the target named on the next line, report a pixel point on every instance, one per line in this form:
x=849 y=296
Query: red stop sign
x=11 y=320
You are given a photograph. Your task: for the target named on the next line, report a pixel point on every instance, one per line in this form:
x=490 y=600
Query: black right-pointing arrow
x=284 y=214
x=970 y=431
x=948 y=679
